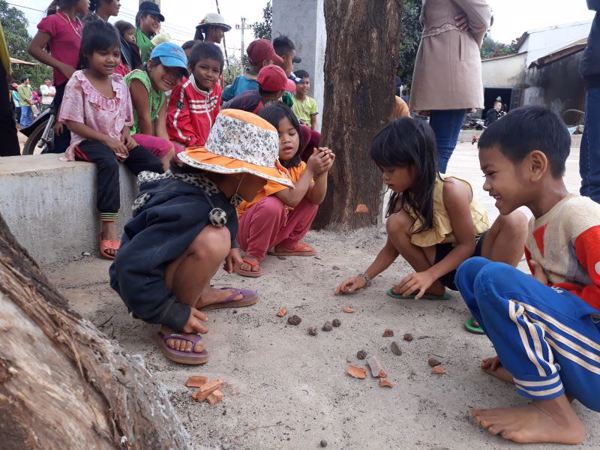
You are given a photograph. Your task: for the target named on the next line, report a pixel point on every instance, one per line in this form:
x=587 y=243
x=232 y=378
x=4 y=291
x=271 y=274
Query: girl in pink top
x=97 y=109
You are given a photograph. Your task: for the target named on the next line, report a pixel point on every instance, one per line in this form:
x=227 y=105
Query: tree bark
x=360 y=63
x=63 y=384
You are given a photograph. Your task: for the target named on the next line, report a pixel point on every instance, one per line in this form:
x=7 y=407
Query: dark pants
x=8 y=130
x=109 y=193
x=446 y=126
x=61 y=141
x=589 y=153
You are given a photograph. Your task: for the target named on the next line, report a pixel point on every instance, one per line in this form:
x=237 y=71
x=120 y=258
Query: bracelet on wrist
x=367 y=279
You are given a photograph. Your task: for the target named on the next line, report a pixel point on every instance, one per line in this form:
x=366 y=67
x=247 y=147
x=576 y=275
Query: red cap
x=272 y=78
x=260 y=50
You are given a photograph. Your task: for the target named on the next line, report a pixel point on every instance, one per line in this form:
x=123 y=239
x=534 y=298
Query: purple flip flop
x=191 y=358
x=249 y=298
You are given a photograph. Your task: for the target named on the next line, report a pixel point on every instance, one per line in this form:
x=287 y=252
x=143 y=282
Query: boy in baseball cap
x=260 y=54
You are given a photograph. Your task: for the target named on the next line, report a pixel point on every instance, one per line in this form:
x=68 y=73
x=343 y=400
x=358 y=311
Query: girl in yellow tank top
x=433 y=222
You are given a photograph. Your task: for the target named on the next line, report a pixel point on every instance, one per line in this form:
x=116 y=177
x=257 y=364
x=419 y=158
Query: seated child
x=97 y=110
x=184 y=228
x=195 y=102
x=165 y=68
x=305 y=107
x=260 y=54
x=278 y=216
x=187 y=48
x=433 y=222
x=546 y=327
x=130 y=53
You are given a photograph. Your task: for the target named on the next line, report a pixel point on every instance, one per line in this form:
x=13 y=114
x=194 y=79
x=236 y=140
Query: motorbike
x=40 y=134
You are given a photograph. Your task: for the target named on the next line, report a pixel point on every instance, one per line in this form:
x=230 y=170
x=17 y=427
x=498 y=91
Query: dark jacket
x=590 y=63
x=172 y=216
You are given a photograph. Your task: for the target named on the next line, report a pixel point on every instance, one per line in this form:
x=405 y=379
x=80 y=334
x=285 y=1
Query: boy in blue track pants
x=545 y=327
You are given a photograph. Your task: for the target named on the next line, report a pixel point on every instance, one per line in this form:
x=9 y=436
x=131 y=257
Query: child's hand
x=233 y=260
x=417 y=282
x=194 y=322
x=538 y=272
x=351 y=285
x=59 y=128
x=319 y=161
x=117 y=147
x=129 y=142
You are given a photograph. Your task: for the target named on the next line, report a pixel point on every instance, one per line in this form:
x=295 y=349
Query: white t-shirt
x=48 y=93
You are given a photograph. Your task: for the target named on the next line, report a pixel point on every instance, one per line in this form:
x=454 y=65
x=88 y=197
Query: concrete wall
x=50 y=205
x=304 y=23
x=506 y=72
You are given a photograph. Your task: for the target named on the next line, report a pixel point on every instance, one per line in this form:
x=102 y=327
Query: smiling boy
x=546 y=327
x=305 y=107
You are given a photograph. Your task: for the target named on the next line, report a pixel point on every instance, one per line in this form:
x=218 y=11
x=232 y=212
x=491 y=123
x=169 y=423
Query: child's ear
x=538 y=164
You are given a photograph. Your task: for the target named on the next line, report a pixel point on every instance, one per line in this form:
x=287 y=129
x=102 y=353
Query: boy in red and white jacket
x=545 y=327
x=195 y=102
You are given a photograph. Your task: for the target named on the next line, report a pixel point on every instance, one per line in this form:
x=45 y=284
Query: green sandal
x=472 y=328
x=444 y=296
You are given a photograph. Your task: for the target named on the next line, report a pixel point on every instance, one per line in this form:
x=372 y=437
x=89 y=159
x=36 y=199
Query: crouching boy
x=545 y=327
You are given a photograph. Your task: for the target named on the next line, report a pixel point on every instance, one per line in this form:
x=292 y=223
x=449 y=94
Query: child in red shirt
x=195 y=102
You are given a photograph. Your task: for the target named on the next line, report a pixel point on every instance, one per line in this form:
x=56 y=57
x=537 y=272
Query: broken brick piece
x=388 y=333
x=438 y=370
x=348 y=309
x=433 y=362
x=282 y=312
x=377 y=370
x=384 y=382
x=361 y=208
x=196 y=381
x=356 y=372
x=215 y=397
x=207 y=389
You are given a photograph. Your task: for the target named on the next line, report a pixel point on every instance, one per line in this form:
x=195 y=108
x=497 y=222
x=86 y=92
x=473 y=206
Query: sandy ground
x=286 y=389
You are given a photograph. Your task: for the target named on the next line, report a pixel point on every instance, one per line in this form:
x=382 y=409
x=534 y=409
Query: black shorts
x=442 y=250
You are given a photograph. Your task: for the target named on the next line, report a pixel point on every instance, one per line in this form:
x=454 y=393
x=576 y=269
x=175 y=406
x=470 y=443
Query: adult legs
x=398 y=228
x=26 y=116
x=589 y=153
x=62 y=139
x=446 y=126
x=546 y=339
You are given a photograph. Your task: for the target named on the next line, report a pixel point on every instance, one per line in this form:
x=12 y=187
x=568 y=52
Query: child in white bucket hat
x=184 y=228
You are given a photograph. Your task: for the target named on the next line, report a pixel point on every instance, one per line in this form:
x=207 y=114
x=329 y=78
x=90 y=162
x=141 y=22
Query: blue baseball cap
x=170 y=55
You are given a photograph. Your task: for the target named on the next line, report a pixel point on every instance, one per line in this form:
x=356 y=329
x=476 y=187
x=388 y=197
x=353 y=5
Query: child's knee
x=398 y=223
x=271 y=205
x=515 y=223
x=496 y=277
x=211 y=244
x=467 y=272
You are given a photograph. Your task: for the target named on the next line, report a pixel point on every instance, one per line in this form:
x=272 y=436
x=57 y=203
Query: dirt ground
x=286 y=389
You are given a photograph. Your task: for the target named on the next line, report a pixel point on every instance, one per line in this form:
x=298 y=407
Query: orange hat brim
x=201 y=158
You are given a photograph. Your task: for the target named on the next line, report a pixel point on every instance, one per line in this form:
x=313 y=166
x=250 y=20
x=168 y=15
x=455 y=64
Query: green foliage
x=14 y=24
x=492 y=49
x=262 y=30
x=410 y=36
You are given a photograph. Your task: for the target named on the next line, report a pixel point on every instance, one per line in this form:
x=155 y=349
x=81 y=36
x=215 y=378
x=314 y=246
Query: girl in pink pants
x=279 y=217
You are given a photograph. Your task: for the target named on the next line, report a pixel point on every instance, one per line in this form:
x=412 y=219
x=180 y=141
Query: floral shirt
x=83 y=103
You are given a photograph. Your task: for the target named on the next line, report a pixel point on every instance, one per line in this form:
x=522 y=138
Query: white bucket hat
x=215 y=20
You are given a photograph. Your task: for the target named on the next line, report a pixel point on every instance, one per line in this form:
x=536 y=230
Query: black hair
x=94 y=4
x=60 y=4
x=301 y=74
x=283 y=45
x=24 y=78
x=123 y=27
x=199 y=35
x=273 y=113
x=97 y=36
x=188 y=44
x=205 y=50
x=407 y=142
x=530 y=128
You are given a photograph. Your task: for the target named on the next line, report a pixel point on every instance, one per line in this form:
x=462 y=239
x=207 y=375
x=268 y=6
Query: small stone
x=294 y=320
x=323 y=443
x=395 y=348
x=408 y=337
x=282 y=258
x=327 y=326
x=348 y=309
x=361 y=354
x=388 y=333
x=438 y=370
x=312 y=331
x=336 y=322
x=433 y=362
x=335 y=268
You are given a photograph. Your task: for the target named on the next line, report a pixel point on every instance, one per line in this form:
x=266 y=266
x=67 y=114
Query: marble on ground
x=286 y=389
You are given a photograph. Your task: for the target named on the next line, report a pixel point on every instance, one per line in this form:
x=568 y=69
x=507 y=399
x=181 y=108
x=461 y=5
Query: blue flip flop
x=190 y=358
x=444 y=296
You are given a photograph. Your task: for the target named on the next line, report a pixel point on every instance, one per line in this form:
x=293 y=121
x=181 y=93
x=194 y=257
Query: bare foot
x=492 y=366
x=546 y=421
x=212 y=296
x=181 y=344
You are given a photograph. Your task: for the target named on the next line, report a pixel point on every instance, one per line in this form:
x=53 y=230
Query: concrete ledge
x=50 y=205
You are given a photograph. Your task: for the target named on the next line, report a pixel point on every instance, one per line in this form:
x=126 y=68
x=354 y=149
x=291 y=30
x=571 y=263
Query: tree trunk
x=360 y=63
x=63 y=384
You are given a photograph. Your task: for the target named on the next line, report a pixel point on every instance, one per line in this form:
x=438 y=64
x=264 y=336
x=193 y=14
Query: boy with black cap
x=147 y=21
x=260 y=54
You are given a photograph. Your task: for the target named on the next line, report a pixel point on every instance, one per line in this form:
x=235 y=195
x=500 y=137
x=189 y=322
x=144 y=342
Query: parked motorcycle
x=40 y=134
